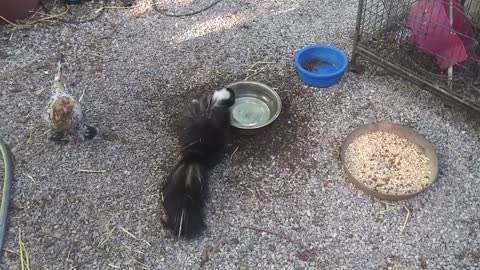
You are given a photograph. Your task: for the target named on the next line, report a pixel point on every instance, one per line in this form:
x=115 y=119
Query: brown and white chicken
x=64 y=113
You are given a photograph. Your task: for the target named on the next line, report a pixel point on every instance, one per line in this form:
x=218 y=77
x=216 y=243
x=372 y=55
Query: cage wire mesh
x=434 y=43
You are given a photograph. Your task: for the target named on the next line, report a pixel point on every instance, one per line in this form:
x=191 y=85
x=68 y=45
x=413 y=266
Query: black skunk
x=204 y=134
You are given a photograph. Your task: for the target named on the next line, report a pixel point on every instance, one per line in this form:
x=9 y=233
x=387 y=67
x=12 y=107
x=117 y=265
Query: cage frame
x=359 y=50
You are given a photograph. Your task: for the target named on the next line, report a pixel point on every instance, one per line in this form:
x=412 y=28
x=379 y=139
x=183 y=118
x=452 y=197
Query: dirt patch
x=284 y=144
x=281 y=140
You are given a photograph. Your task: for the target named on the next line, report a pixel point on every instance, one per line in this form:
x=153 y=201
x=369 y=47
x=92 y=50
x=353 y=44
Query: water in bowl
x=250 y=111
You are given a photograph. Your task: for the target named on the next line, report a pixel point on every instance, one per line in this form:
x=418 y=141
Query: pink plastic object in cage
x=429 y=21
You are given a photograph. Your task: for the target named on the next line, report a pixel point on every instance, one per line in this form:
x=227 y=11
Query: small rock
x=235 y=241
x=303 y=256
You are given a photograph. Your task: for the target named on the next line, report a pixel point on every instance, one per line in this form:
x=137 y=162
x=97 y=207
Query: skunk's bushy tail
x=184 y=197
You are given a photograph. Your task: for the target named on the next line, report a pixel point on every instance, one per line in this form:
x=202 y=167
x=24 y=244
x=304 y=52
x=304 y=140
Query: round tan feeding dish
x=389 y=161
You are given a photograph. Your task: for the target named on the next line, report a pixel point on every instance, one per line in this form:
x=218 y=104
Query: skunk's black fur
x=204 y=134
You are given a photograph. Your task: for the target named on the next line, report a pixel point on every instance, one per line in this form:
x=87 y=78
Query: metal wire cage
x=433 y=43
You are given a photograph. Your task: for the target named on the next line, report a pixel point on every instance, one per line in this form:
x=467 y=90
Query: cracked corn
x=387 y=163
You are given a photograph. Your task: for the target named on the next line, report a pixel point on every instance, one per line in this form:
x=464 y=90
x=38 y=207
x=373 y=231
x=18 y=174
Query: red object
x=429 y=21
x=13 y=10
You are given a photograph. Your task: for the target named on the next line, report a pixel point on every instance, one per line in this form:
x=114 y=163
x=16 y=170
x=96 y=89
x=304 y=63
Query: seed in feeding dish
x=401 y=168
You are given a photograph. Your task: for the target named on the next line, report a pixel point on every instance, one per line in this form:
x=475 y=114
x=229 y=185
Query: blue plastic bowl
x=327 y=74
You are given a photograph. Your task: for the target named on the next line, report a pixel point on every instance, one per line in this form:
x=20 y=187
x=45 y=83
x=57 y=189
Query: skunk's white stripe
x=181 y=224
x=199 y=177
x=188 y=181
x=220 y=95
x=190 y=144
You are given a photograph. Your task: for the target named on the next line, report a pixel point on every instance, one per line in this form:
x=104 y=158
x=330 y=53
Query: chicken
x=64 y=113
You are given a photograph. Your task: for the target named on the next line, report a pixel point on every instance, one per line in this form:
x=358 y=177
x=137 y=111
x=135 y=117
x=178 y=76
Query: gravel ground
x=138 y=68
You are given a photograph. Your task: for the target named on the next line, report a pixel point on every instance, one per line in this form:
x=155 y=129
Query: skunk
x=204 y=134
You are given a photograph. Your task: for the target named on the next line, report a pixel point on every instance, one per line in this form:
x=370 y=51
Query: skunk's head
x=224 y=97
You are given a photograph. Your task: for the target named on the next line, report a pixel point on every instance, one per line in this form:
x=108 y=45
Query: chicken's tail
x=59 y=81
x=89 y=132
x=184 y=197
x=58 y=76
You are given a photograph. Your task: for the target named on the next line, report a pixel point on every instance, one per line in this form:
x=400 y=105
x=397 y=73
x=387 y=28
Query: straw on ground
x=24 y=256
x=105 y=238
